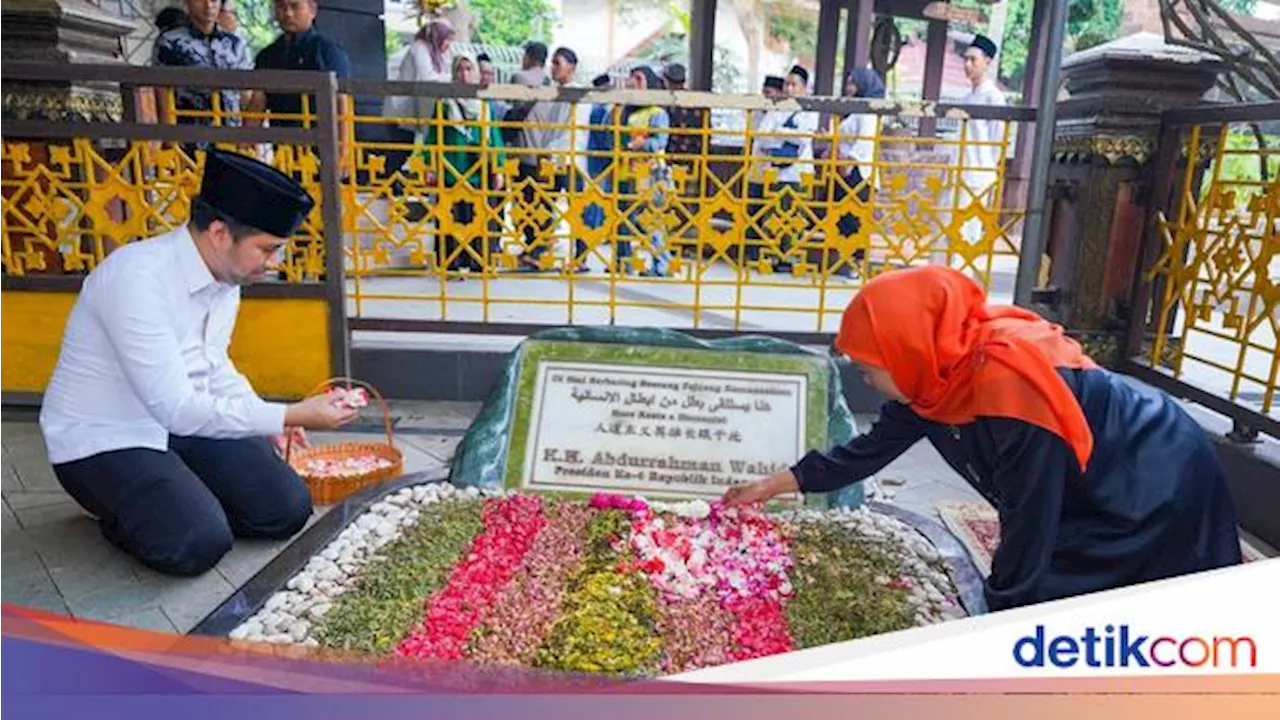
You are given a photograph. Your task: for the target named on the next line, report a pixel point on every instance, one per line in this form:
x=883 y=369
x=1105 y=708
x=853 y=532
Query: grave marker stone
x=653 y=412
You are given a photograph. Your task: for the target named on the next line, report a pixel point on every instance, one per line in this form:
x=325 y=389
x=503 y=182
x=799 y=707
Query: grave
x=653 y=412
x=578 y=529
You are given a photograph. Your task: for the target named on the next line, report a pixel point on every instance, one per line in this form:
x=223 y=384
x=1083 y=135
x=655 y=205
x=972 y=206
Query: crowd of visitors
x=638 y=156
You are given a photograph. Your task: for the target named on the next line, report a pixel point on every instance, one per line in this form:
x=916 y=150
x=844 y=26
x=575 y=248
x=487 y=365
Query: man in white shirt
x=792 y=151
x=757 y=152
x=550 y=132
x=983 y=139
x=149 y=426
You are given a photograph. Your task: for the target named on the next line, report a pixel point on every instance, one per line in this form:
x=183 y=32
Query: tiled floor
x=55 y=559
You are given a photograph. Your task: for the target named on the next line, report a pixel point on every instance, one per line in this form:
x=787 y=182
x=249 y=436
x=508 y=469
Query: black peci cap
x=253 y=193
x=984 y=43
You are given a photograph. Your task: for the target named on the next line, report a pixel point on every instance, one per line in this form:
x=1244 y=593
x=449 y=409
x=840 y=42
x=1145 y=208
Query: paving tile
x=19 y=430
x=37 y=476
x=54 y=512
x=30 y=460
x=188 y=601
x=440 y=446
x=923 y=498
x=114 y=601
x=27 y=499
x=11 y=481
x=246 y=558
x=80 y=560
x=10 y=520
x=417 y=459
x=22 y=562
x=452 y=414
x=23 y=578
x=149 y=618
x=35 y=595
x=919 y=463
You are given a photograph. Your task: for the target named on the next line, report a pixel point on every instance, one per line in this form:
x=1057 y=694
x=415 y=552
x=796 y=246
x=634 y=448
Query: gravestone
x=653 y=412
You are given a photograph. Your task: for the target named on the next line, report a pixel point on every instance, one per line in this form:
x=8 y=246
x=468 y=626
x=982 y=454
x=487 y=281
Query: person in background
x=429 y=59
x=488 y=73
x=761 y=124
x=548 y=132
x=200 y=43
x=229 y=20
x=983 y=139
x=791 y=153
x=497 y=111
x=301 y=47
x=532 y=73
x=1099 y=481
x=855 y=154
x=148 y=424
x=471 y=142
x=644 y=142
x=489 y=76
x=687 y=149
x=599 y=153
x=684 y=148
x=170 y=18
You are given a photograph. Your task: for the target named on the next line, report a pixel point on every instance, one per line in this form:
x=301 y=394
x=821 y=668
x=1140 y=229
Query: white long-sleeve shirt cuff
x=269 y=418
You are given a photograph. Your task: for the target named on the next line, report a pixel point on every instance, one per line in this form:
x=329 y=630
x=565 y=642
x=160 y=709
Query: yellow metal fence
x=445 y=218
x=1217 y=277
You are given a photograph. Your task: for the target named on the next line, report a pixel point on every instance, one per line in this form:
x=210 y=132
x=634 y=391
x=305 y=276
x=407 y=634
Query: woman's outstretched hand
x=763 y=490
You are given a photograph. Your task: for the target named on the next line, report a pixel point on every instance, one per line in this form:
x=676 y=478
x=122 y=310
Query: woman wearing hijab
x=1099 y=482
x=855 y=153
x=466 y=136
x=428 y=60
x=644 y=142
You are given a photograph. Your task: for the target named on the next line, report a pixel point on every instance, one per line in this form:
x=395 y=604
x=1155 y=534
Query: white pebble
x=279 y=639
x=298 y=631
x=319 y=609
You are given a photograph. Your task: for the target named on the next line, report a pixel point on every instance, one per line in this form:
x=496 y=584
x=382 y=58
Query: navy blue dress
x=1153 y=503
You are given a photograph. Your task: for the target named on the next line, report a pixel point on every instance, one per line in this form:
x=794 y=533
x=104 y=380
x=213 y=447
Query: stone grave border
x=253 y=594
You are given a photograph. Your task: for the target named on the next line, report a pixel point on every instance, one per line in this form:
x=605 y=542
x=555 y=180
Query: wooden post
x=934 y=57
x=857 y=36
x=824 y=72
x=702 y=42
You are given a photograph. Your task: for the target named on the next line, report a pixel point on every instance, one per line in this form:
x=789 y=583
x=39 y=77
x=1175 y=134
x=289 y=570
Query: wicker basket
x=329 y=490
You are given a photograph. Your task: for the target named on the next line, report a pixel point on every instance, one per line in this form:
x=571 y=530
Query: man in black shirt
x=686 y=149
x=299 y=47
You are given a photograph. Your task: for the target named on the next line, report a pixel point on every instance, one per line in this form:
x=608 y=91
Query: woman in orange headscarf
x=1099 y=481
